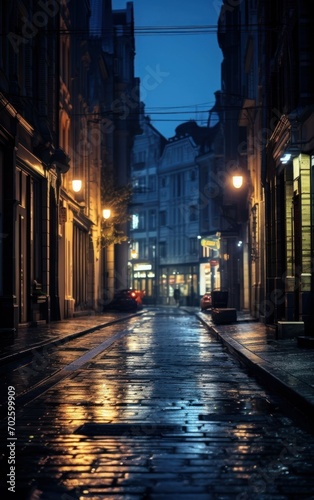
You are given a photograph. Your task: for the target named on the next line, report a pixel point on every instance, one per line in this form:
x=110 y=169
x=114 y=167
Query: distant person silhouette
x=176 y=295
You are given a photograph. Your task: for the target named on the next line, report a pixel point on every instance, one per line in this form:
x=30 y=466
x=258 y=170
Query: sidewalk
x=280 y=364
x=29 y=338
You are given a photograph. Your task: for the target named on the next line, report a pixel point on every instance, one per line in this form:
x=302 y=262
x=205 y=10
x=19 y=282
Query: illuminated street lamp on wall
x=237 y=181
x=106 y=213
x=76 y=185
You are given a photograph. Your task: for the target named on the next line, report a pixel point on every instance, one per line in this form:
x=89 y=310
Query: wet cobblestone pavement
x=155 y=408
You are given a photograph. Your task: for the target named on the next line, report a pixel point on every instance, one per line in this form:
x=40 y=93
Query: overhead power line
x=158 y=30
x=201 y=29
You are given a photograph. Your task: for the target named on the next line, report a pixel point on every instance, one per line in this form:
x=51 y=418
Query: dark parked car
x=138 y=295
x=206 y=301
x=126 y=300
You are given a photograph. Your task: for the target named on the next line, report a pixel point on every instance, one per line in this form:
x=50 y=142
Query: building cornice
x=6 y=105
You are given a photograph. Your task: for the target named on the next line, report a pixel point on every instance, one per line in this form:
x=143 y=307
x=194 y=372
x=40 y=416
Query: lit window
x=135 y=221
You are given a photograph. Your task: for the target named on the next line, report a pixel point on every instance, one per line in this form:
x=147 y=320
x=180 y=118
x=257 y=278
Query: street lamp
x=237 y=181
x=106 y=213
x=76 y=185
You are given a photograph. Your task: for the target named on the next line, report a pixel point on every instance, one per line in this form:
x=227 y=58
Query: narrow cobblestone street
x=155 y=408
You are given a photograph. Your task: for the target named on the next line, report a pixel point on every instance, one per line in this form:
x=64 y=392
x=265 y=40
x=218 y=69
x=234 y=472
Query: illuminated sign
x=142 y=266
x=214 y=262
x=211 y=242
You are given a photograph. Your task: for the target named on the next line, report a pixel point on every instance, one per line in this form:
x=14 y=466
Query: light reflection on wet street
x=163 y=412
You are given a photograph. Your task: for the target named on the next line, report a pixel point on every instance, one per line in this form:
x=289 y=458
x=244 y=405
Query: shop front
x=143 y=278
x=184 y=278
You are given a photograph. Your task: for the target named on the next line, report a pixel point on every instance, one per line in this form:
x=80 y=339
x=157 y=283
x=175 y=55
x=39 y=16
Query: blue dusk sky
x=178 y=60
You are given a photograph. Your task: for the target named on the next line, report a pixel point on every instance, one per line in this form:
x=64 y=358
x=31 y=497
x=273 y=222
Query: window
x=141 y=249
x=140 y=157
x=152 y=219
x=139 y=184
x=138 y=222
x=135 y=221
x=179 y=182
x=152 y=248
x=138 y=160
x=134 y=249
x=177 y=185
x=193 y=245
x=163 y=218
x=193 y=213
x=152 y=183
x=163 y=249
x=142 y=221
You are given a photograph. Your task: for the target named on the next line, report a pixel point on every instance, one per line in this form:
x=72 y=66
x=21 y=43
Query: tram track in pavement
x=33 y=363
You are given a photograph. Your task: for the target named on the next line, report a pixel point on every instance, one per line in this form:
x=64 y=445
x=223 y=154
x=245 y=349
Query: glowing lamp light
x=76 y=185
x=133 y=254
x=237 y=181
x=106 y=213
x=285 y=158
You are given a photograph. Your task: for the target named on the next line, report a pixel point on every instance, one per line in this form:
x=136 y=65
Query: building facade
x=143 y=241
x=267 y=90
x=61 y=77
x=174 y=211
x=179 y=245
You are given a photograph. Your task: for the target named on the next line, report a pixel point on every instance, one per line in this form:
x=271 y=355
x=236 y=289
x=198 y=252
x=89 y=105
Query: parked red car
x=206 y=301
